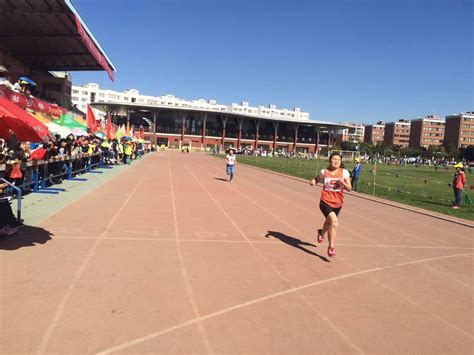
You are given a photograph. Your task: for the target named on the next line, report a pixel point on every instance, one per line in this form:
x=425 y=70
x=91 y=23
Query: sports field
x=420 y=186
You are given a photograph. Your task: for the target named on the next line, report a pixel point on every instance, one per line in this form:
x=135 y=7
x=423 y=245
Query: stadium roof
x=134 y=107
x=50 y=35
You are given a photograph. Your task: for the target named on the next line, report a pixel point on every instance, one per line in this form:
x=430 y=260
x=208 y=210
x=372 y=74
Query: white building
x=83 y=95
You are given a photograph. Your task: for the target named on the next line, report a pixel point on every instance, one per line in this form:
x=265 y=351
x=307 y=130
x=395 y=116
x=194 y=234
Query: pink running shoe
x=331 y=252
x=320 y=236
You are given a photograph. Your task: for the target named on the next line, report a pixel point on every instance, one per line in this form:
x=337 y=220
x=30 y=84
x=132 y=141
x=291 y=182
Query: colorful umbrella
x=79 y=132
x=27 y=80
x=26 y=127
x=53 y=127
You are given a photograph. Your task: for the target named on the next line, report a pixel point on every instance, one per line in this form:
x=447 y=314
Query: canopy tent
x=53 y=127
x=67 y=121
x=25 y=127
x=76 y=117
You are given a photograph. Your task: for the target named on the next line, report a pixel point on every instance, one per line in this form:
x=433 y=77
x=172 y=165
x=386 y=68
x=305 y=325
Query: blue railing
x=36 y=175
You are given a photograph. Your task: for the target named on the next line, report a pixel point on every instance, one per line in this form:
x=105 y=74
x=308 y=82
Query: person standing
x=230 y=164
x=128 y=153
x=459 y=181
x=334 y=179
x=355 y=174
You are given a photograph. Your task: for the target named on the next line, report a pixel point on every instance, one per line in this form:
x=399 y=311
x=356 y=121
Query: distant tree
x=410 y=152
x=366 y=148
x=348 y=145
x=468 y=153
x=452 y=150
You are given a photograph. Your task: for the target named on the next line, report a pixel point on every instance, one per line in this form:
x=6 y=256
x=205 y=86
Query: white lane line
x=414 y=303
x=446 y=321
x=271 y=296
x=38 y=223
x=59 y=311
x=184 y=272
x=351 y=231
x=263 y=242
x=275 y=269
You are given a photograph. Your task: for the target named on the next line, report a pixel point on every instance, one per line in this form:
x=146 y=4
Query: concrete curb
x=455 y=220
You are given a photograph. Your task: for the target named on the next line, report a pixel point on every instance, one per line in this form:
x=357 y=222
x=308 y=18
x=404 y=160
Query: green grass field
x=421 y=187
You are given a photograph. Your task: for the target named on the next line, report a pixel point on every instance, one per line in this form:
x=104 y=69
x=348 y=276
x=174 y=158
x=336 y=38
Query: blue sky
x=339 y=60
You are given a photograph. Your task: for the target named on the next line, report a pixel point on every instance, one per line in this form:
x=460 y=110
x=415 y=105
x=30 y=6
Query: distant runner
x=334 y=179
x=230 y=164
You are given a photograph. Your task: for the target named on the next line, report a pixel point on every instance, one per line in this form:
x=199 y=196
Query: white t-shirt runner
x=230 y=159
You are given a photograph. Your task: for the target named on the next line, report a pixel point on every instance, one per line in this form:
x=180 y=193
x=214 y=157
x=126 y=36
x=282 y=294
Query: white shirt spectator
x=6 y=82
x=17 y=87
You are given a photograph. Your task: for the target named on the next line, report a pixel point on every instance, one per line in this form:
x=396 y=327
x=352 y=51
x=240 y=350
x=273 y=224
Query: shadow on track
x=28 y=236
x=295 y=242
x=221 y=179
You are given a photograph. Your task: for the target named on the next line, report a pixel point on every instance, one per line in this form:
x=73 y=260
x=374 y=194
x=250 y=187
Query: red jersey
x=333 y=190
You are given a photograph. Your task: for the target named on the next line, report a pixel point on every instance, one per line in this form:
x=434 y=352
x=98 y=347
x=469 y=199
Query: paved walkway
x=168 y=257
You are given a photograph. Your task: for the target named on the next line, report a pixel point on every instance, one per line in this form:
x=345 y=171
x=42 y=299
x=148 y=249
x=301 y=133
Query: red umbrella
x=25 y=126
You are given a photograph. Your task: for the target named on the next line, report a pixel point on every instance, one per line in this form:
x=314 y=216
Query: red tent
x=25 y=126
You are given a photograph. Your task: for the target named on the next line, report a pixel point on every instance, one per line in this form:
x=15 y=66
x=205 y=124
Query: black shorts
x=326 y=209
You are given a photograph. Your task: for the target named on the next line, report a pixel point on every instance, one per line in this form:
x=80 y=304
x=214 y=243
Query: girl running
x=334 y=179
x=230 y=164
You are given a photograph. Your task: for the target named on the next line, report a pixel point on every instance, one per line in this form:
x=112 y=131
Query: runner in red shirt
x=334 y=179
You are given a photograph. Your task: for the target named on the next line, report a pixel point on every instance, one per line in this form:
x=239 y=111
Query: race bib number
x=332 y=184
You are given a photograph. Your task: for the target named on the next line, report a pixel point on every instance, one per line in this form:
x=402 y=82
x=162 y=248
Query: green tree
x=348 y=145
x=468 y=153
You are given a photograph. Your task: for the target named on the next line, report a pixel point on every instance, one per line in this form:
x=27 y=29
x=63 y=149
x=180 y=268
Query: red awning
x=25 y=126
x=93 y=50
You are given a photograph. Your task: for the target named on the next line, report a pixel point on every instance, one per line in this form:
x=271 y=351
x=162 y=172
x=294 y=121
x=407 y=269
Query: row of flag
x=111 y=131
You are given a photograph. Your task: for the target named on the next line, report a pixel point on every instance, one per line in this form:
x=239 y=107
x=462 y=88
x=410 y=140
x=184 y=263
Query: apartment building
x=374 y=133
x=428 y=131
x=459 y=131
x=397 y=133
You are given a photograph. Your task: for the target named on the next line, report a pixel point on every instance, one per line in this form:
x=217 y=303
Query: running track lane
x=169 y=258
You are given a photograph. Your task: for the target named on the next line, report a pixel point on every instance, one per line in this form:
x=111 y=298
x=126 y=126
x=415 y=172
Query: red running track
x=170 y=258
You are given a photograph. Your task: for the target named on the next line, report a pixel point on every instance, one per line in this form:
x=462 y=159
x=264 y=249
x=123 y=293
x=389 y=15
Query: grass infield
x=421 y=186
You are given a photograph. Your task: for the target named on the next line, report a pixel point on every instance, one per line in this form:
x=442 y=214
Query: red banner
x=91 y=121
x=109 y=127
x=41 y=106
x=93 y=50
